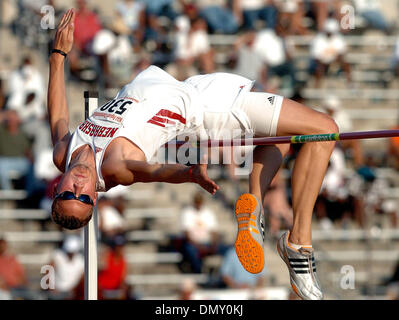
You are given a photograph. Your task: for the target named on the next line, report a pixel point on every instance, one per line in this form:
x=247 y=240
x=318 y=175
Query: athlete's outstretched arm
x=171 y=173
x=56 y=97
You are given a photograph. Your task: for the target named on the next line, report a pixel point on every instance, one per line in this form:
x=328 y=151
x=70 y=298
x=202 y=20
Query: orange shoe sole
x=248 y=250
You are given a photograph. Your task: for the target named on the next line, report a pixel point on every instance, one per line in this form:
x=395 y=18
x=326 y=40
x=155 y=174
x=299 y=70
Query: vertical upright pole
x=91 y=230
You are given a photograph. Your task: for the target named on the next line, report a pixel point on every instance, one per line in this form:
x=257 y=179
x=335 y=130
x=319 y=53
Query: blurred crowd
x=110 y=49
x=179 y=36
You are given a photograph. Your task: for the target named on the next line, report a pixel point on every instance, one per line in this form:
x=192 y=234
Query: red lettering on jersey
x=85 y=125
x=112 y=132
x=96 y=129
x=100 y=132
x=88 y=129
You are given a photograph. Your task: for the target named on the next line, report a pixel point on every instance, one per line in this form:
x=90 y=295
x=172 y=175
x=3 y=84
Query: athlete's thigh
x=297 y=119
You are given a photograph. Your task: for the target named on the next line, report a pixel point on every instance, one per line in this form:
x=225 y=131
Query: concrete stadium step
x=154 y=268
x=163 y=284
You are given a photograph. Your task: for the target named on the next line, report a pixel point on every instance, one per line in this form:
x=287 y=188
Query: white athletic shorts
x=263 y=111
x=230 y=105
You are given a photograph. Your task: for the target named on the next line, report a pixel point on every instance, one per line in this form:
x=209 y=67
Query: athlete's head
x=74 y=197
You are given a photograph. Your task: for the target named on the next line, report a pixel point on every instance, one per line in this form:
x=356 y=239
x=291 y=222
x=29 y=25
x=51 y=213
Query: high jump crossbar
x=290 y=139
x=91 y=230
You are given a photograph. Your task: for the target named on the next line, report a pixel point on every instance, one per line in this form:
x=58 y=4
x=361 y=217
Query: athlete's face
x=80 y=181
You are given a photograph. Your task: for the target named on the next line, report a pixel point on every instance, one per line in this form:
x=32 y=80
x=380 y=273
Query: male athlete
x=115 y=144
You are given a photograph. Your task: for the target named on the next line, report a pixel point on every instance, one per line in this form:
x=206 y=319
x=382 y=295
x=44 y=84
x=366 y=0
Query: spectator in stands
x=393 y=291
x=12 y=273
x=234 y=276
x=395 y=58
x=5 y=294
x=349 y=202
x=27 y=94
x=247 y=62
x=374 y=187
x=328 y=47
x=113 y=270
x=393 y=284
x=44 y=171
x=336 y=201
x=277 y=206
x=201 y=237
x=115 y=53
x=220 y=16
x=28 y=15
x=187 y=289
x=8 y=13
x=330 y=202
x=278 y=57
x=87 y=24
x=387 y=207
x=191 y=47
x=68 y=263
x=15 y=151
x=370 y=11
x=132 y=14
x=47 y=200
x=291 y=13
x=323 y=10
x=264 y=54
x=3 y=97
x=258 y=10
x=294 y=12
x=161 y=8
x=111 y=221
x=342 y=200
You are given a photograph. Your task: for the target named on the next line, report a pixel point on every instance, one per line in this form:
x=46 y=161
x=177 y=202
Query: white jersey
x=154 y=108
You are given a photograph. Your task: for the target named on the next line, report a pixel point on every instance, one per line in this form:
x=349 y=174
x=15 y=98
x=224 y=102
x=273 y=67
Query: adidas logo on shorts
x=271 y=100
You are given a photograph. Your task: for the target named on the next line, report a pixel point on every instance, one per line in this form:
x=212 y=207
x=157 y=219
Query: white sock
x=299 y=246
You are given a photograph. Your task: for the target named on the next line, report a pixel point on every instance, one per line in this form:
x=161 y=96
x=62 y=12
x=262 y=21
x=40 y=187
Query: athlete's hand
x=200 y=176
x=64 y=36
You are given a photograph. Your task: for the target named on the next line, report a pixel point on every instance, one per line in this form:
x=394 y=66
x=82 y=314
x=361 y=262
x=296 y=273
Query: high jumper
x=114 y=145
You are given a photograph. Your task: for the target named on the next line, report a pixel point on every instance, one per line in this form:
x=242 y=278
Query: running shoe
x=250 y=234
x=302 y=268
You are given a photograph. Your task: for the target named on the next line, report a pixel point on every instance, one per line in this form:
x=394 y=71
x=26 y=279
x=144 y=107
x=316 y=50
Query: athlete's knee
x=326 y=124
x=331 y=125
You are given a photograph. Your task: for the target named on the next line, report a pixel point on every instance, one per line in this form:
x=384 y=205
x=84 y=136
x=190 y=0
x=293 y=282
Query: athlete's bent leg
x=310 y=165
x=266 y=162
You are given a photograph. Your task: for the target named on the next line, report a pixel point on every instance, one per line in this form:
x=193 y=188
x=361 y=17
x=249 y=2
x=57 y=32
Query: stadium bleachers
x=373 y=252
